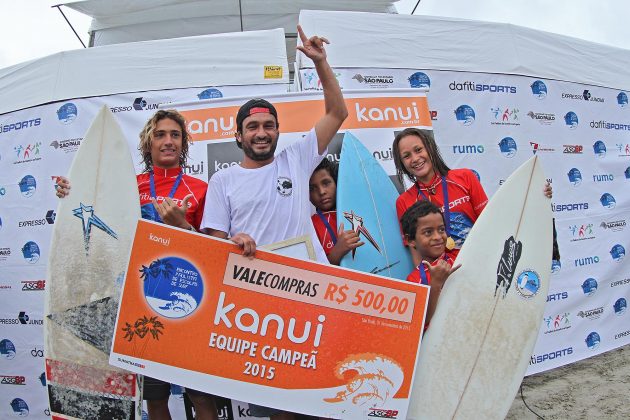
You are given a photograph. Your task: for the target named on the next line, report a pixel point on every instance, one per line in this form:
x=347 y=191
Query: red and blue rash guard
x=164 y=181
x=414 y=276
x=322 y=232
x=466 y=201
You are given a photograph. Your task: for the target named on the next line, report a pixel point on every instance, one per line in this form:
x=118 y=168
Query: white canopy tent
x=373 y=40
x=209 y=60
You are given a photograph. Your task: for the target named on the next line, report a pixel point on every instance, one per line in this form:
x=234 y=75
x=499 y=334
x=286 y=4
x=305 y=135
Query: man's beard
x=258 y=157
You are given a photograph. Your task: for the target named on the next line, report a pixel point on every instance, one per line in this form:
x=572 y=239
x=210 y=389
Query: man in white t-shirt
x=266 y=199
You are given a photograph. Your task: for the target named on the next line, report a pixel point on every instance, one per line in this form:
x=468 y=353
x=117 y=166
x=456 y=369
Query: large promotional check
x=273 y=330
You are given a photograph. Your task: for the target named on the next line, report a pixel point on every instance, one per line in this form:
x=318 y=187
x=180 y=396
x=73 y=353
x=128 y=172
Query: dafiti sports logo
x=420 y=80
x=599 y=148
x=542 y=117
x=581 y=232
x=557 y=208
x=622 y=99
x=556 y=297
x=28 y=152
x=28 y=186
x=558 y=322
x=552 y=355
x=508 y=147
x=505 y=116
x=592 y=340
x=210 y=93
x=539 y=89
x=465 y=114
x=480 y=87
x=610 y=125
x=20 y=125
x=571 y=120
x=67 y=113
x=584 y=96
x=575 y=176
x=617 y=252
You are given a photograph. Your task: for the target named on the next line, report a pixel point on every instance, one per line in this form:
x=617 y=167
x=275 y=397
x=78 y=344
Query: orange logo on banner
x=301 y=115
x=194 y=303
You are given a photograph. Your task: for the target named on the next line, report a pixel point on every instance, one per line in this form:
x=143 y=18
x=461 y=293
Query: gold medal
x=450 y=243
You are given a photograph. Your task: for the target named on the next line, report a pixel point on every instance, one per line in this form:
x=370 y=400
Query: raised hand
x=173 y=214
x=63 y=186
x=312 y=47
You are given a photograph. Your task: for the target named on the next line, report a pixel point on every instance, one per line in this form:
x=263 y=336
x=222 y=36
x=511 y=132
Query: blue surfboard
x=366 y=203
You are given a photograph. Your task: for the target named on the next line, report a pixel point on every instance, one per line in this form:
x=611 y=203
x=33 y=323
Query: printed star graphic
x=357 y=225
x=90 y=221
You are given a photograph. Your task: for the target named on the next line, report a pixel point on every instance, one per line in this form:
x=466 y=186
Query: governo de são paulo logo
x=571 y=120
x=173 y=287
x=622 y=99
x=28 y=185
x=608 y=201
x=419 y=80
x=617 y=252
x=599 y=148
x=575 y=177
x=508 y=147
x=67 y=113
x=539 y=89
x=465 y=114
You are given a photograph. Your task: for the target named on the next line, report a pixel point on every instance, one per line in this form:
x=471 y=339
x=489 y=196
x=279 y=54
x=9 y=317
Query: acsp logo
x=33 y=285
x=383 y=413
x=474 y=87
x=575 y=149
x=12 y=380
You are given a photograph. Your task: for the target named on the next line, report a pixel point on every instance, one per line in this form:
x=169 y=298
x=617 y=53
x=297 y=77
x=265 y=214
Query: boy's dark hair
x=409 y=220
x=328 y=166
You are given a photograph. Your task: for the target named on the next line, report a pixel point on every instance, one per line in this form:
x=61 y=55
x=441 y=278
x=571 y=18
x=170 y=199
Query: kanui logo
x=539 y=89
x=505 y=116
x=465 y=114
x=474 y=87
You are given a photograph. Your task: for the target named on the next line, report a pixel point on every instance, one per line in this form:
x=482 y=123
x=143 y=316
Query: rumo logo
x=586 y=261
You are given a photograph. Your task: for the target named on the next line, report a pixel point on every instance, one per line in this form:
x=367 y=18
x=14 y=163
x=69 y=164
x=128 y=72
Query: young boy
x=424 y=230
x=323 y=194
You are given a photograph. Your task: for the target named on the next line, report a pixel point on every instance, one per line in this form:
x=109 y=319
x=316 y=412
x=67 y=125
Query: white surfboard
x=476 y=351
x=91 y=241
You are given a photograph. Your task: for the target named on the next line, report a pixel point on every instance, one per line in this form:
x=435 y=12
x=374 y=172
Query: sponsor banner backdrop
x=276 y=331
x=492 y=123
x=37 y=145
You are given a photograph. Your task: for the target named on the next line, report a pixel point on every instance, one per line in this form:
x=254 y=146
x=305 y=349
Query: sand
x=594 y=388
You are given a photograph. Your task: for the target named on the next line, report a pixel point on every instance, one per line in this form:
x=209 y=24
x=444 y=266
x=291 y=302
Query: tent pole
x=58 y=6
x=240 y=10
x=415 y=7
